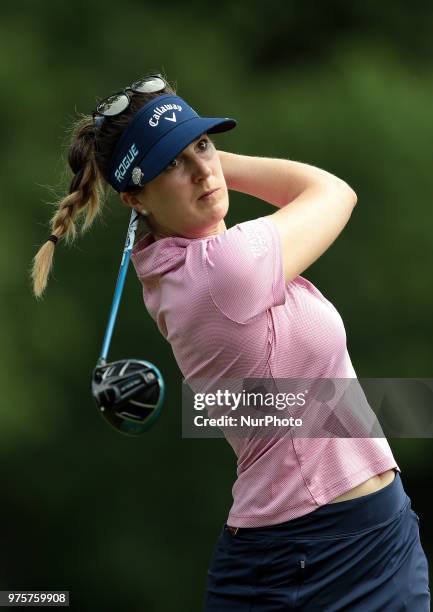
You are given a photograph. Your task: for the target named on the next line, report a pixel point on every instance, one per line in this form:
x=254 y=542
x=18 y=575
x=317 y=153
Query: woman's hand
x=225 y=165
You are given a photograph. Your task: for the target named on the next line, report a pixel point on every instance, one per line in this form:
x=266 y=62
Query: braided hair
x=89 y=157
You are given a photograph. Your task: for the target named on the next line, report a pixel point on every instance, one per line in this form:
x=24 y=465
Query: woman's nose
x=201 y=169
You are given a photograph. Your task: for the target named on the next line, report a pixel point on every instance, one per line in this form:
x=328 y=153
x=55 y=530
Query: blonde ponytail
x=90 y=153
x=86 y=195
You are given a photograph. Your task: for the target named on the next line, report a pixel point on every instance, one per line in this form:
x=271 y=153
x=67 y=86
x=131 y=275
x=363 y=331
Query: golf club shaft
x=132 y=228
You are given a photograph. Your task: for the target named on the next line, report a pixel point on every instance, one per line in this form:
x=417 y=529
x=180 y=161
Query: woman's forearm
x=277 y=181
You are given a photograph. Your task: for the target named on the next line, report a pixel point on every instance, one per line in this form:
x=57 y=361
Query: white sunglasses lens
x=148 y=85
x=113 y=105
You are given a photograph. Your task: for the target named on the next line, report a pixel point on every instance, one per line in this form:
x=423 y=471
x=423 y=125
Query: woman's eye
x=204 y=142
x=173 y=164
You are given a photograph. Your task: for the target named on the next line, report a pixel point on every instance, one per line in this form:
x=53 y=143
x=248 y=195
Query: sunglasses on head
x=118 y=102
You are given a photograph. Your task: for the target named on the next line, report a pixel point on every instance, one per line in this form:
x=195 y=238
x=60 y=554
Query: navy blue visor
x=159 y=131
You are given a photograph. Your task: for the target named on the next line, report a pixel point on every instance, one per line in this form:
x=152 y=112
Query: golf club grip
x=129 y=243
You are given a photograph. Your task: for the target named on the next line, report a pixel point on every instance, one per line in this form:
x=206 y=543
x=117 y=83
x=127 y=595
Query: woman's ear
x=133 y=202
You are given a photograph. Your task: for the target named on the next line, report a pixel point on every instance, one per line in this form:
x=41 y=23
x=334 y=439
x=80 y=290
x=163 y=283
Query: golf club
x=129 y=392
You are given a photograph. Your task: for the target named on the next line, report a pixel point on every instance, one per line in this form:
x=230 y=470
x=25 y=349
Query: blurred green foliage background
x=129 y=524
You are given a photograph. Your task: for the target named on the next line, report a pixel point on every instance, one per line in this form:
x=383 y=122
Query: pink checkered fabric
x=224 y=306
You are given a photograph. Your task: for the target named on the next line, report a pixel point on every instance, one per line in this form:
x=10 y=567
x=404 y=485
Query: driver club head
x=129 y=394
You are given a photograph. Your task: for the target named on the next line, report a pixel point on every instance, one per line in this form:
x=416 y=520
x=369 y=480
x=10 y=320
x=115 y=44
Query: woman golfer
x=319 y=523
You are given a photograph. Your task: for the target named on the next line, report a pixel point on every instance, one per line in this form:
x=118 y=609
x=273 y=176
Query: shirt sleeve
x=245 y=271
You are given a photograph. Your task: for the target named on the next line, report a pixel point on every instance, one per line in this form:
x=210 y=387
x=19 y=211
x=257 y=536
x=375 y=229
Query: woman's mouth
x=208 y=194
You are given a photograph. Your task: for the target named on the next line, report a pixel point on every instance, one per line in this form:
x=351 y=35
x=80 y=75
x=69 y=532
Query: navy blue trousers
x=360 y=555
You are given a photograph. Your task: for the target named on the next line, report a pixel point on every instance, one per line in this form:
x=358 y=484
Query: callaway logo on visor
x=160 y=110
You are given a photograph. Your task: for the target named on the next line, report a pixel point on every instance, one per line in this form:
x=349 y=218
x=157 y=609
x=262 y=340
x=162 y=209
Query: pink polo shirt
x=224 y=306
